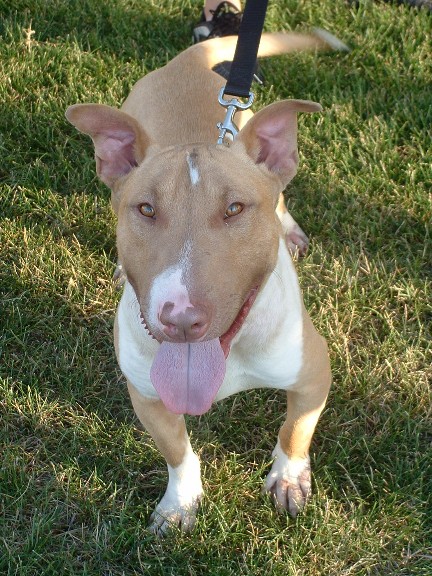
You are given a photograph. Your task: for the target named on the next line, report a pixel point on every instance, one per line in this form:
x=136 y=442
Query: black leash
x=243 y=66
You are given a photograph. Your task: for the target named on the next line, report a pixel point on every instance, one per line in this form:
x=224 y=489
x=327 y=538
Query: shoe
x=226 y=20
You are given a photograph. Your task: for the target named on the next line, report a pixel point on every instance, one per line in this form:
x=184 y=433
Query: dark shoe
x=226 y=21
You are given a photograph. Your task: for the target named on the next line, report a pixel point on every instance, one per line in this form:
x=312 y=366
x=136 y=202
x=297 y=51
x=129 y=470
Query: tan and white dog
x=211 y=304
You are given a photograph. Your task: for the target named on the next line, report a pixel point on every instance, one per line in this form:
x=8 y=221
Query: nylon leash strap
x=243 y=66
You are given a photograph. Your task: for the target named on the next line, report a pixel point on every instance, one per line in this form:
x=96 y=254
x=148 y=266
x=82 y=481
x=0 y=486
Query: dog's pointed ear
x=120 y=142
x=270 y=137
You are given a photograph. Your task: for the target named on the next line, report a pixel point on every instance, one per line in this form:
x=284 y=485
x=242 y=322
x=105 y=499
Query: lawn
x=78 y=477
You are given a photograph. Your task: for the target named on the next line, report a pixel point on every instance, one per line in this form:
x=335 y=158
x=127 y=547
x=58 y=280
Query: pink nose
x=188 y=326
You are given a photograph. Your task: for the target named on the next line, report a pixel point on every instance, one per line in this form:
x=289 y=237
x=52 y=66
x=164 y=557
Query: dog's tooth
x=144 y=323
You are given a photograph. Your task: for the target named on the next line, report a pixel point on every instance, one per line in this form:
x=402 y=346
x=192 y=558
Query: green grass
x=78 y=479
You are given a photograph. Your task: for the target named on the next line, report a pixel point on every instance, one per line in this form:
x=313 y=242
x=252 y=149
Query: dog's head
x=197 y=232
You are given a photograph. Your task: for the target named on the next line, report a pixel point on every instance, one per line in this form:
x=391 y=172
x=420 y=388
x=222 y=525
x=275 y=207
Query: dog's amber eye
x=234 y=209
x=147 y=210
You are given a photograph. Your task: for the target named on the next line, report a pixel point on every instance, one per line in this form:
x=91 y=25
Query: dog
x=211 y=303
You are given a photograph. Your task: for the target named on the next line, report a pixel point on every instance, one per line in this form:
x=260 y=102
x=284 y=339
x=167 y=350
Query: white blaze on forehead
x=193 y=169
x=169 y=286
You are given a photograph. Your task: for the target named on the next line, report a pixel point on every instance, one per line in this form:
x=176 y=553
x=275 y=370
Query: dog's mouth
x=187 y=376
x=227 y=338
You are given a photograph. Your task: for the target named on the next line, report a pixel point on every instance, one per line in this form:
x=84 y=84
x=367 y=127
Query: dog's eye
x=147 y=209
x=234 y=209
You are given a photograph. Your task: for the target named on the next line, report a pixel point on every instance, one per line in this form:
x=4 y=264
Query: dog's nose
x=189 y=325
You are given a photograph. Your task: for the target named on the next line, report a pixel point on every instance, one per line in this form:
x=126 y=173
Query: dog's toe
x=290 y=486
x=162 y=522
x=289 y=496
x=169 y=516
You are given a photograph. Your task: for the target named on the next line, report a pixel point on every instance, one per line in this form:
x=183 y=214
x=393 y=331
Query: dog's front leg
x=179 y=505
x=289 y=480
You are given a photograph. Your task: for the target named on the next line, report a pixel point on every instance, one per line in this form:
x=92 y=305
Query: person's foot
x=226 y=20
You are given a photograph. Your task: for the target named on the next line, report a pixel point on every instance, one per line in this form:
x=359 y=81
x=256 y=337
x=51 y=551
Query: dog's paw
x=172 y=512
x=289 y=482
x=296 y=240
x=179 y=505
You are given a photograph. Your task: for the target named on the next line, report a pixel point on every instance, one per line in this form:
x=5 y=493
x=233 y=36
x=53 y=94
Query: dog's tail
x=216 y=50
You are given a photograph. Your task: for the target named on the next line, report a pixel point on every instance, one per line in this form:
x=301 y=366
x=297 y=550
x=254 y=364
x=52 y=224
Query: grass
x=78 y=479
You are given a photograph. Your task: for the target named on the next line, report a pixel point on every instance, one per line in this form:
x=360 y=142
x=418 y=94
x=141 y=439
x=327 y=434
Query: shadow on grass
x=131 y=31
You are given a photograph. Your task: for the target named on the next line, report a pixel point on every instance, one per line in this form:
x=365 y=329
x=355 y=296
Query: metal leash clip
x=232 y=105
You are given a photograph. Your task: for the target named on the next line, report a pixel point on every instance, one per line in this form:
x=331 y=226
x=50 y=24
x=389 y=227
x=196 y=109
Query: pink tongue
x=187 y=376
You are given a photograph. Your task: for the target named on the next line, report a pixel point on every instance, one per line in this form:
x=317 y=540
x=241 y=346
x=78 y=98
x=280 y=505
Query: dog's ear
x=120 y=142
x=270 y=136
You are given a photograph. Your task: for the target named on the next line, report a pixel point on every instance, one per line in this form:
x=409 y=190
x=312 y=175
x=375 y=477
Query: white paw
x=289 y=482
x=296 y=240
x=179 y=505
